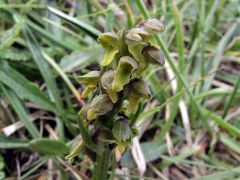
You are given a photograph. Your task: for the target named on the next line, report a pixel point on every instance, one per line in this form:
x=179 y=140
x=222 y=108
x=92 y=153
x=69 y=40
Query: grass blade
x=19 y=109
x=89 y=29
x=218 y=120
x=23 y=88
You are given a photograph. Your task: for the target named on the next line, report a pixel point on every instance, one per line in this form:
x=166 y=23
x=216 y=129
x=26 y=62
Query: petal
x=107 y=79
x=109 y=56
x=88 y=90
x=108 y=40
x=123 y=73
x=133 y=102
x=92 y=77
x=106 y=82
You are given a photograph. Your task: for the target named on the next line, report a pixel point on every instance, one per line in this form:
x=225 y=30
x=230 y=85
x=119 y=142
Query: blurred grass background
x=190 y=129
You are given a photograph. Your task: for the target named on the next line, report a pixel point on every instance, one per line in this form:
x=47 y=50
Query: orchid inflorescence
x=118 y=88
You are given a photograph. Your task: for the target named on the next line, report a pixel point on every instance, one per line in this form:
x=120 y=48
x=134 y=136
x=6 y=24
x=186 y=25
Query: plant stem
x=101 y=166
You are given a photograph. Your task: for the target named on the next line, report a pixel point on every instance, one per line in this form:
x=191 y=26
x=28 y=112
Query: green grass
x=43 y=44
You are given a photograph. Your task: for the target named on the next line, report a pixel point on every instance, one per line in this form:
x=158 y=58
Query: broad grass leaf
x=49 y=146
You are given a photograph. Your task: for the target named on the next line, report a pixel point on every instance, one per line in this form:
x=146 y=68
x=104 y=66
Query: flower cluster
x=118 y=88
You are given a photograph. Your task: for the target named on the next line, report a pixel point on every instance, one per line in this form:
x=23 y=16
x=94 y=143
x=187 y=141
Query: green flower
x=100 y=105
x=126 y=66
x=138 y=90
x=106 y=82
x=154 y=55
x=110 y=42
x=91 y=79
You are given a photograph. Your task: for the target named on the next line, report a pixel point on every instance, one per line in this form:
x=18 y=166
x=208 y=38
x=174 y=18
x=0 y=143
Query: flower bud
x=136 y=34
x=140 y=88
x=152 y=26
x=100 y=105
x=154 y=55
x=106 y=82
x=121 y=130
x=102 y=135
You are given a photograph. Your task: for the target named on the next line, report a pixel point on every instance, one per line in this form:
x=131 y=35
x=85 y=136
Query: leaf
x=86 y=137
x=15 y=54
x=230 y=142
x=9 y=143
x=49 y=147
x=218 y=120
x=44 y=68
x=7 y=38
x=19 y=109
x=152 y=150
x=79 y=59
x=86 y=27
x=125 y=68
x=23 y=88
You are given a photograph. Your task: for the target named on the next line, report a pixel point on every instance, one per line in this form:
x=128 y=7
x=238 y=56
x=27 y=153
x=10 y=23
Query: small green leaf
x=49 y=147
x=7 y=38
x=125 y=68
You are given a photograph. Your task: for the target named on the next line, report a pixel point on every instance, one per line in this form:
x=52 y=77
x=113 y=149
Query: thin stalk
x=102 y=165
x=64 y=77
x=231 y=98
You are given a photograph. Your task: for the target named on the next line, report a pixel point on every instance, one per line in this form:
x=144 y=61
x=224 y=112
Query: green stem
x=102 y=165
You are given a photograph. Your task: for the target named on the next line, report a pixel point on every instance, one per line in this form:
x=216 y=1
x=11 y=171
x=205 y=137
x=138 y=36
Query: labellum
x=126 y=67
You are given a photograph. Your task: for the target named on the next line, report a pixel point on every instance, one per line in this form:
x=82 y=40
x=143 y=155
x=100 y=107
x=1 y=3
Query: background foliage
x=189 y=129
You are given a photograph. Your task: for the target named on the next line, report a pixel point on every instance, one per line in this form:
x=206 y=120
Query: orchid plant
x=117 y=92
